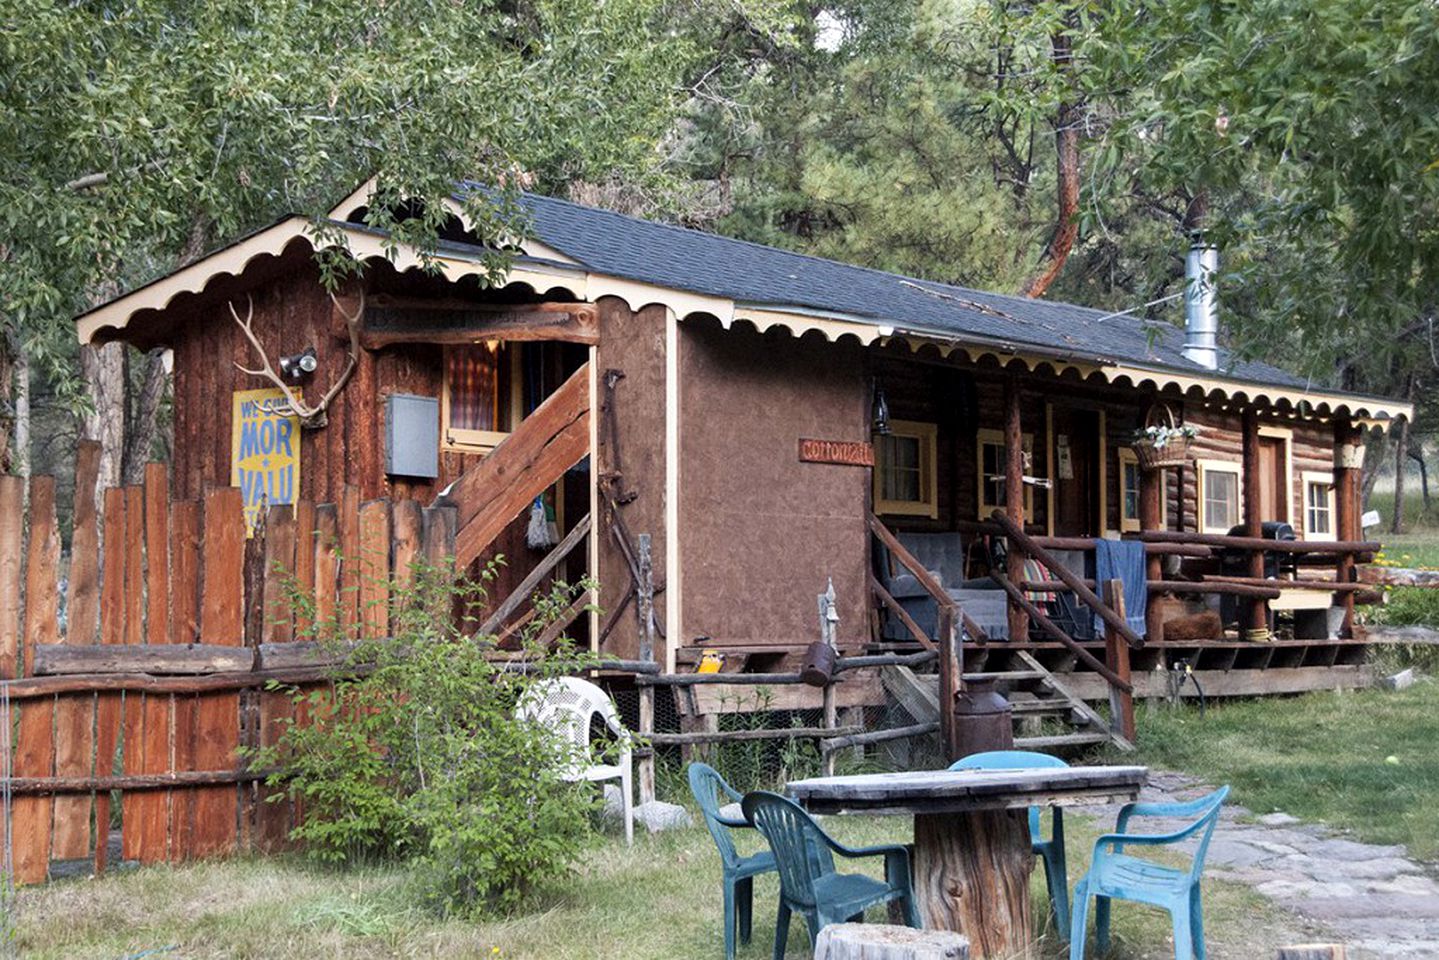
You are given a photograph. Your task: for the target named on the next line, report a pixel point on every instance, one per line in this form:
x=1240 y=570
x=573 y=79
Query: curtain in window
x=473 y=376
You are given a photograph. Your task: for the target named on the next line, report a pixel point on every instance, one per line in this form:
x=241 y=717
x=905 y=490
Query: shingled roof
x=679 y=258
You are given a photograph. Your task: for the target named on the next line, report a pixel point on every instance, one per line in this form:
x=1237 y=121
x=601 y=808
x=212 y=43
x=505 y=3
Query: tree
x=134 y=136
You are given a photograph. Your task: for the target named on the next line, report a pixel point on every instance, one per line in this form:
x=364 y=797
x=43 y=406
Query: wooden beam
x=1249 y=590
x=923 y=576
x=146 y=658
x=1014 y=501
x=1259 y=543
x=1121 y=702
x=1017 y=598
x=459 y=322
x=1070 y=580
x=521 y=594
x=1257 y=616
x=1151 y=490
x=1348 y=464
x=546 y=443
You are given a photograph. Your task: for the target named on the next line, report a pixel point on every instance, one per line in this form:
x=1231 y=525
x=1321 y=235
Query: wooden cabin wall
x=1221 y=437
x=633 y=343
x=760 y=531
x=293 y=311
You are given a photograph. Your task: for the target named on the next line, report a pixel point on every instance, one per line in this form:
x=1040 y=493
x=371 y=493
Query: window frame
x=928 y=505
x=459 y=440
x=1326 y=479
x=992 y=437
x=1128 y=458
x=1205 y=468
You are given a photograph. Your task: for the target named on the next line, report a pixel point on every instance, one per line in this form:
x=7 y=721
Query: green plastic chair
x=739 y=872
x=808 y=881
x=1051 y=851
x=1114 y=874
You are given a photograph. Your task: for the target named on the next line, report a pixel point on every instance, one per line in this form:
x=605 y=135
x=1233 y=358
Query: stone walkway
x=1376 y=900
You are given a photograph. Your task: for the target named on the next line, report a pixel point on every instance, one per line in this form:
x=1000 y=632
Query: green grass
x=1362 y=761
x=1418 y=545
x=656 y=901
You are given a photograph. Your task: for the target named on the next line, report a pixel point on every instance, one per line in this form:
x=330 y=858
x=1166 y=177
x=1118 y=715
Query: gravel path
x=1377 y=900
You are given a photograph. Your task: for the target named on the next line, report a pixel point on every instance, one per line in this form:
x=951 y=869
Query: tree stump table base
x=972 y=876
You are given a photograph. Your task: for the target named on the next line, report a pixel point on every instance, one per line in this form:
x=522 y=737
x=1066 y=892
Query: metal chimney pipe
x=1201 y=305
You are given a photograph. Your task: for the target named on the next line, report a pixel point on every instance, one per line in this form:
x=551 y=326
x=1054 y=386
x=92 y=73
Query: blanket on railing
x=1122 y=560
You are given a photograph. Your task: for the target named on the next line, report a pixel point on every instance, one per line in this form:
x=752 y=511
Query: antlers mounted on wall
x=312 y=417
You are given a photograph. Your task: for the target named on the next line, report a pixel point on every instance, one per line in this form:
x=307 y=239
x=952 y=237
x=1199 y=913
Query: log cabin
x=773 y=423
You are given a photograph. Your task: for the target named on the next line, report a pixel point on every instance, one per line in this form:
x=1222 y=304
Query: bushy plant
x=414 y=750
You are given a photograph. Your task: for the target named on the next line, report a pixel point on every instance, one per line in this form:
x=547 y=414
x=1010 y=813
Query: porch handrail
x=925 y=579
x=1086 y=595
x=1050 y=627
x=1259 y=543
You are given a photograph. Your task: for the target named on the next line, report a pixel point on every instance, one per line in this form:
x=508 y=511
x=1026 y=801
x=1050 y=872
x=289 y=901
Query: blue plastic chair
x=808 y=881
x=739 y=872
x=1114 y=874
x=1051 y=851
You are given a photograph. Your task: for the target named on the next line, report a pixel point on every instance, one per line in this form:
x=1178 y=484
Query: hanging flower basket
x=1163 y=442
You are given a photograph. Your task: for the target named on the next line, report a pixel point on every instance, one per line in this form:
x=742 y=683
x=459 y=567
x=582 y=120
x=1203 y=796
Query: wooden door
x=1076 y=474
x=1273 y=479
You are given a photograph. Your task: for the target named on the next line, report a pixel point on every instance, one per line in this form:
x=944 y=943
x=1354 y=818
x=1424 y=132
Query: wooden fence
x=141 y=674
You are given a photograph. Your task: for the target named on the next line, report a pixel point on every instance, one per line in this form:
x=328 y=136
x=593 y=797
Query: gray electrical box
x=412 y=436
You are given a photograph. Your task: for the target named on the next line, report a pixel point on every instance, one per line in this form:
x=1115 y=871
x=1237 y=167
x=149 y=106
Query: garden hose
x=1184 y=672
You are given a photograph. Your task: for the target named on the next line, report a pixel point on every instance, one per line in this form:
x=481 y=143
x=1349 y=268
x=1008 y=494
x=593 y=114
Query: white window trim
x=928 y=436
x=1218 y=466
x=996 y=438
x=1327 y=479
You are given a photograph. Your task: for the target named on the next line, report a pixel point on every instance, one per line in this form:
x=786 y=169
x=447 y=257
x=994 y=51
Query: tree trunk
x=104 y=370
x=1068 y=118
x=1416 y=453
x=9 y=366
x=1401 y=453
x=144 y=428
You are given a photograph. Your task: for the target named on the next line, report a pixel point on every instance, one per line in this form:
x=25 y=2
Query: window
x=481 y=395
x=904 y=470
x=1318 y=505
x=993 y=459
x=1219 y=503
x=1129 y=480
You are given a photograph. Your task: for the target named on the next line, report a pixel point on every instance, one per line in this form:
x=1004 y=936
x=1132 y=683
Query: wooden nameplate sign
x=847 y=453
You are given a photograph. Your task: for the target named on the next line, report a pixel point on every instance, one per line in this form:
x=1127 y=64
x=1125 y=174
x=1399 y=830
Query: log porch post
x=1151 y=489
x=1014 y=500
x=1348 y=461
x=1258 y=608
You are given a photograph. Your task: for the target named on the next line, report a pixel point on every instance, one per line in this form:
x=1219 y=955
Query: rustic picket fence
x=154 y=677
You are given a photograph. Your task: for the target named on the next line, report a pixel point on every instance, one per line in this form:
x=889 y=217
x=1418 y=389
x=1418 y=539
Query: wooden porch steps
x=1036 y=697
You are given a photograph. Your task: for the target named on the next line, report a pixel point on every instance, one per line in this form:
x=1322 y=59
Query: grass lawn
x=1418 y=545
x=656 y=901
x=1362 y=761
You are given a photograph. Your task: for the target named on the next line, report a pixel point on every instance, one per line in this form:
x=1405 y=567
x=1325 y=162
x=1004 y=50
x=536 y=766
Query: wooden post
x=1348 y=463
x=951 y=678
x=1257 y=618
x=645 y=610
x=828 y=618
x=1014 y=500
x=1121 y=702
x=1151 y=491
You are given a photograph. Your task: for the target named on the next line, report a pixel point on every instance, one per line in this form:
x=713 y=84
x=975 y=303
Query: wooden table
x=972 y=855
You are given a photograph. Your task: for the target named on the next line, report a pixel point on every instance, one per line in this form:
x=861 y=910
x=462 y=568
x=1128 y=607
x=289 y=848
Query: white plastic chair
x=567 y=705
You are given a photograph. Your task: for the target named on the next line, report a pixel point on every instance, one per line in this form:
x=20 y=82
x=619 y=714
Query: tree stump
x=971 y=874
x=872 y=941
x=1312 y=951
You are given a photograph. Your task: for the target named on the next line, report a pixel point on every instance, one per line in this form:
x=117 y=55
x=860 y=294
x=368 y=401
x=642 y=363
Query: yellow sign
x=264 y=451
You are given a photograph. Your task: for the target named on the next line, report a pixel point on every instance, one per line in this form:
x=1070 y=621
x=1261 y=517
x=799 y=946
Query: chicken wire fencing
x=771 y=763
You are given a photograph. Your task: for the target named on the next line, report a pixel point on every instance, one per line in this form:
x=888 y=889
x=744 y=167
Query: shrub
x=422 y=757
